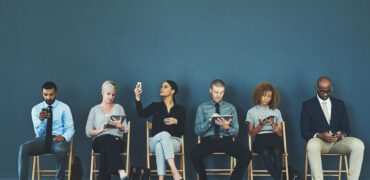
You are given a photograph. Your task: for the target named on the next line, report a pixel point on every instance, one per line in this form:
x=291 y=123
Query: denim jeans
x=37 y=147
x=164 y=146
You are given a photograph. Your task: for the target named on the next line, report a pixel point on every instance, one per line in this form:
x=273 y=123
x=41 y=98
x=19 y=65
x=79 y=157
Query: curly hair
x=263 y=87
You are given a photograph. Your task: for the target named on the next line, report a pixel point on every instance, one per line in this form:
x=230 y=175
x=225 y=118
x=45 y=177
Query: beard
x=50 y=102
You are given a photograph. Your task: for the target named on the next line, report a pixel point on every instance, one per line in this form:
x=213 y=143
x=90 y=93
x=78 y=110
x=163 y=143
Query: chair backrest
x=128 y=138
x=283 y=136
x=148 y=128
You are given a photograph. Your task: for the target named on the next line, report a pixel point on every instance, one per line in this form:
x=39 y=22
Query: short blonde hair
x=108 y=86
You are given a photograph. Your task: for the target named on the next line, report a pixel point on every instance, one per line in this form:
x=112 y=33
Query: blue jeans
x=37 y=147
x=164 y=146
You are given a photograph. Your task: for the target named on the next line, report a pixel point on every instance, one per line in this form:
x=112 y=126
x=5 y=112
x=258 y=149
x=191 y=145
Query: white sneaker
x=122 y=174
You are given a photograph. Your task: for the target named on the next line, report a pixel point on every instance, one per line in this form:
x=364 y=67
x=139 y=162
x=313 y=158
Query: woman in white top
x=264 y=122
x=108 y=140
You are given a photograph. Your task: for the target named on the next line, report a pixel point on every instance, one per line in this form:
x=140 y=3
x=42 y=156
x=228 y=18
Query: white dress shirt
x=328 y=105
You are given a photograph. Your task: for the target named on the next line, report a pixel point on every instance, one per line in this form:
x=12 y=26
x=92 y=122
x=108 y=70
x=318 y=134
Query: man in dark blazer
x=325 y=127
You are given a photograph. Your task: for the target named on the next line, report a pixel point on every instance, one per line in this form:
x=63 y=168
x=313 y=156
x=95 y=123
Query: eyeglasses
x=324 y=91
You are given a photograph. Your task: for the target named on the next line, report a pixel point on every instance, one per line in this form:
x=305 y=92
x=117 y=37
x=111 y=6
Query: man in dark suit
x=325 y=127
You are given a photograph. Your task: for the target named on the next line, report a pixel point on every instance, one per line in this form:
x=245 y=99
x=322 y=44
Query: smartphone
x=45 y=110
x=138 y=84
x=268 y=118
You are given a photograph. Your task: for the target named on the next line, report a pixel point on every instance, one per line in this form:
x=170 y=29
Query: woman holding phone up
x=264 y=121
x=106 y=127
x=168 y=125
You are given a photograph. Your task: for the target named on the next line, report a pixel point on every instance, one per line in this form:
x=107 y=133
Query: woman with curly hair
x=265 y=123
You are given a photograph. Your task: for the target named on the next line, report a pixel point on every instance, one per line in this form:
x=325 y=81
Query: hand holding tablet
x=113 y=120
x=224 y=117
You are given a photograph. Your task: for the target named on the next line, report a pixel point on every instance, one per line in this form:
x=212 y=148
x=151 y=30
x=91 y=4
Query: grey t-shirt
x=258 y=112
x=97 y=119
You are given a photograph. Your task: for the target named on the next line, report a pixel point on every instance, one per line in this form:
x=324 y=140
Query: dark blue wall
x=81 y=44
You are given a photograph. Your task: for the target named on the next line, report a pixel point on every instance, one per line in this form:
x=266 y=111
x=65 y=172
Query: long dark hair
x=173 y=86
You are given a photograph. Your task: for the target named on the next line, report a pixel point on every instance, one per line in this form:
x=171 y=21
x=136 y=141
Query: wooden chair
x=52 y=172
x=219 y=171
x=93 y=168
x=332 y=172
x=150 y=154
x=264 y=172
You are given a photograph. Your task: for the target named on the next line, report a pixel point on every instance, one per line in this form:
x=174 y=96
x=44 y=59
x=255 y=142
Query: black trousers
x=110 y=160
x=226 y=145
x=269 y=146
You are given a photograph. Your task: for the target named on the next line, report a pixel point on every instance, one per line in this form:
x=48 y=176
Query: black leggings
x=110 y=160
x=269 y=147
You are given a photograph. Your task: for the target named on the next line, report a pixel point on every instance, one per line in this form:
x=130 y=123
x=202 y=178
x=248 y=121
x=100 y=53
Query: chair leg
x=127 y=163
x=346 y=164
x=340 y=167
x=286 y=167
x=250 y=167
x=70 y=165
x=306 y=166
x=38 y=167
x=96 y=172
x=34 y=168
x=92 y=167
x=148 y=161
x=183 y=165
x=231 y=164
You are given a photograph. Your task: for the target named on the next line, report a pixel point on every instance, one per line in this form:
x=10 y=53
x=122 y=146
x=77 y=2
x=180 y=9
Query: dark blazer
x=313 y=119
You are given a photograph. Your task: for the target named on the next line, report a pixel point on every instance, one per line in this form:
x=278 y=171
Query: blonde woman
x=108 y=141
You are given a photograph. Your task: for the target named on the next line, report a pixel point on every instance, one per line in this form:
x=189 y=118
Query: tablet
x=113 y=117
x=226 y=117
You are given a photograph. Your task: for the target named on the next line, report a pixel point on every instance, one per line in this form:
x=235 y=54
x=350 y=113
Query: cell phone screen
x=268 y=118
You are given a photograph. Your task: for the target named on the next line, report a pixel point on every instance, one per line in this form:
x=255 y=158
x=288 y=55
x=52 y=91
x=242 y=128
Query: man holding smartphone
x=53 y=126
x=217 y=133
x=325 y=127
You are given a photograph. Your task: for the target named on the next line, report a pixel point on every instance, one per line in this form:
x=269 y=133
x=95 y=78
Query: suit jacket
x=313 y=119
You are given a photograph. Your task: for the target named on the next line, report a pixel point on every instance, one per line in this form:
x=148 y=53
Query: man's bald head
x=322 y=81
x=324 y=87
